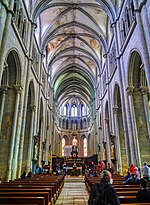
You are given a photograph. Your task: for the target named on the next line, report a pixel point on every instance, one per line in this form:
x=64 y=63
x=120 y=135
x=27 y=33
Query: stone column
x=9 y=10
x=4 y=89
x=12 y=142
x=30 y=146
x=134 y=135
x=144 y=45
x=145 y=93
x=30 y=38
x=120 y=68
x=117 y=143
x=107 y=141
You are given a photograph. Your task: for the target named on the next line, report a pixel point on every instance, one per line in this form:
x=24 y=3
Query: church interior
x=75 y=84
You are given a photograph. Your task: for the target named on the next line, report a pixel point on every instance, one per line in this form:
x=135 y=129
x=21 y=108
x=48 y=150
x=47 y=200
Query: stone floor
x=74 y=192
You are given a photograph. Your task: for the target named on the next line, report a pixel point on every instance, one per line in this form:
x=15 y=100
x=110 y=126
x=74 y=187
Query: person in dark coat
x=23 y=175
x=83 y=168
x=144 y=194
x=103 y=192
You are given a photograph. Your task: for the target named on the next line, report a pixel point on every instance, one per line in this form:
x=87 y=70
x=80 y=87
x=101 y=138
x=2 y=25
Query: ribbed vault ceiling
x=73 y=35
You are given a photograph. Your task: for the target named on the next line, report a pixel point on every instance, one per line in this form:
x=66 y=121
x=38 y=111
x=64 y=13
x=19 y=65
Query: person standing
x=146 y=171
x=101 y=166
x=65 y=168
x=83 y=168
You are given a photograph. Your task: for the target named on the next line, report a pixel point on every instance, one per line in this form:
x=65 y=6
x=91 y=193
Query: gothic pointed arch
x=139 y=99
x=9 y=101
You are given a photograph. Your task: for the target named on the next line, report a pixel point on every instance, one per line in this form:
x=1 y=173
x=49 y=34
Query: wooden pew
x=49 y=184
x=127 y=199
x=29 y=190
x=26 y=195
x=21 y=200
x=137 y=204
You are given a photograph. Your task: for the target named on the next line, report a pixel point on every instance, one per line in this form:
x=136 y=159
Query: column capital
x=32 y=107
x=4 y=88
x=130 y=90
x=144 y=90
x=137 y=90
x=5 y=65
x=115 y=110
x=18 y=88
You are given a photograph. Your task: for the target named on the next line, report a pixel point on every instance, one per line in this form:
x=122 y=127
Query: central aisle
x=74 y=192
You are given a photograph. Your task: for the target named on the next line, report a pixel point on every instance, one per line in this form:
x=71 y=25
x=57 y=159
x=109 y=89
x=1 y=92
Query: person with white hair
x=103 y=193
x=146 y=171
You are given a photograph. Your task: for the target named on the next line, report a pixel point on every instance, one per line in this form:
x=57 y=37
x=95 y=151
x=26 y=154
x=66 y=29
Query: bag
x=98 y=195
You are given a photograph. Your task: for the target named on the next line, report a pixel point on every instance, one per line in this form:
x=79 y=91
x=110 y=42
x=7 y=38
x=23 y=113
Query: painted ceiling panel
x=72 y=34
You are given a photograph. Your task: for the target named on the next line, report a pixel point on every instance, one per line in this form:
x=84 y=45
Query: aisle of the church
x=74 y=192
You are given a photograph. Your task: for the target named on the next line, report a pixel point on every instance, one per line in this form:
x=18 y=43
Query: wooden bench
x=137 y=204
x=21 y=200
x=22 y=190
x=26 y=195
x=42 y=186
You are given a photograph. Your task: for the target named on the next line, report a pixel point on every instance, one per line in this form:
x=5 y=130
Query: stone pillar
x=5 y=35
x=40 y=141
x=12 y=142
x=30 y=38
x=134 y=135
x=117 y=143
x=100 y=143
x=30 y=146
x=107 y=141
x=144 y=46
x=145 y=93
x=116 y=27
x=4 y=92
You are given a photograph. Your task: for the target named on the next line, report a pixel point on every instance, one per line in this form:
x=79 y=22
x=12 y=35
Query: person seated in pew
x=127 y=176
x=144 y=194
x=23 y=175
x=137 y=174
x=95 y=174
x=29 y=175
x=38 y=170
x=103 y=192
x=132 y=180
x=90 y=173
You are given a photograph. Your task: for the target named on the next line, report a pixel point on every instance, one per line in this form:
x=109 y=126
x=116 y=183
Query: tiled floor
x=74 y=192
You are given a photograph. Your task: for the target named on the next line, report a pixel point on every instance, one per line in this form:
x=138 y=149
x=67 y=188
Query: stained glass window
x=74 y=111
x=83 y=110
x=65 y=110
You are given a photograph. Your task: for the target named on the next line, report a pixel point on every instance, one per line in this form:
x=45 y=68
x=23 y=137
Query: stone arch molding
x=106 y=5
x=18 y=66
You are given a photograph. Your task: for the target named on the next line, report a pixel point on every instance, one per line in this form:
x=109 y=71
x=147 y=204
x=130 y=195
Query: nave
x=60 y=190
x=74 y=192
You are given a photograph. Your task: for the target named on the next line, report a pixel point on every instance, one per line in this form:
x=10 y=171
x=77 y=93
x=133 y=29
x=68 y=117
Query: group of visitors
x=134 y=174
x=85 y=168
x=104 y=192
